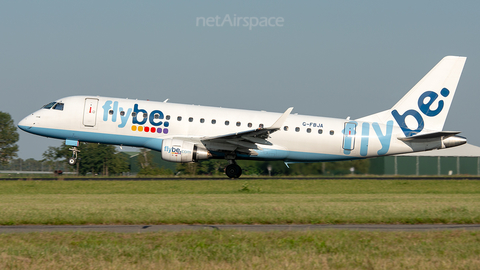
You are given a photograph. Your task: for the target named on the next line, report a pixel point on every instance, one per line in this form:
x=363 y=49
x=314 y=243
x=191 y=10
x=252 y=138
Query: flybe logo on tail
x=139 y=118
x=425 y=102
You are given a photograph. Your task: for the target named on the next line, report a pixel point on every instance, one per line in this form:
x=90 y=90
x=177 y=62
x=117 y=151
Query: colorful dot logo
x=150 y=129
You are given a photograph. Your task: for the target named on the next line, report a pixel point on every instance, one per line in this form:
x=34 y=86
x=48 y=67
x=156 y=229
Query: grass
x=242 y=250
x=240 y=202
x=255 y=201
x=238 y=209
x=234 y=186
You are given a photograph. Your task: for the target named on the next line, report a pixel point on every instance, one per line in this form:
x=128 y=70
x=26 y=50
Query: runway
x=257 y=228
x=177 y=178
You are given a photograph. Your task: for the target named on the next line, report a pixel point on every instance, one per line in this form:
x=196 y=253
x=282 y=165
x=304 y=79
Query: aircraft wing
x=245 y=142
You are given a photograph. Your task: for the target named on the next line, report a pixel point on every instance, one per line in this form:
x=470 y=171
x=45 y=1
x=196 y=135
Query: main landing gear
x=73 y=160
x=233 y=170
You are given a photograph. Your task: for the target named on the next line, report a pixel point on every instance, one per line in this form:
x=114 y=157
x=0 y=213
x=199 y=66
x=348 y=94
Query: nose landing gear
x=73 y=160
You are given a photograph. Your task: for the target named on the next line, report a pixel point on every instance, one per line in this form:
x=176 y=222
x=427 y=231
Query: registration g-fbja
x=235 y=21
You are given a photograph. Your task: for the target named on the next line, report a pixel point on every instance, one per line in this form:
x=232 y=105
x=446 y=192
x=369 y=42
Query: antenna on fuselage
x=165 y=101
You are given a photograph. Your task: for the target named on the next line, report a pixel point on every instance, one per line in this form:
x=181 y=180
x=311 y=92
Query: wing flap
x=256 y=140
x=245 y=144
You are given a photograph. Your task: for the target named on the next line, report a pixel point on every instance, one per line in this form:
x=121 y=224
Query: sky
x=325 y=58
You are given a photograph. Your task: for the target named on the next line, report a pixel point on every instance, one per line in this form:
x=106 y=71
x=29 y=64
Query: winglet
x=278 y=124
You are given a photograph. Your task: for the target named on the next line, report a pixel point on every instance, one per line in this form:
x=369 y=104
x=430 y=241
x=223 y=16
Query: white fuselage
x=300 y=139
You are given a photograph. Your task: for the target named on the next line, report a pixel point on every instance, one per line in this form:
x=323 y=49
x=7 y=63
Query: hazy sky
x=338 y=59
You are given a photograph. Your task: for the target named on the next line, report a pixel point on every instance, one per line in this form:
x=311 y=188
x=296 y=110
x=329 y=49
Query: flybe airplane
x=188 y=133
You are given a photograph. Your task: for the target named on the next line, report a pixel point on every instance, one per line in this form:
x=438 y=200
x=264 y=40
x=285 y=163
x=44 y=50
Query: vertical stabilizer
x=425 y=107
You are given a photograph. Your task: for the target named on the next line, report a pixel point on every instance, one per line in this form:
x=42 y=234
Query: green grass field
x=242 y=250
x=241 y=202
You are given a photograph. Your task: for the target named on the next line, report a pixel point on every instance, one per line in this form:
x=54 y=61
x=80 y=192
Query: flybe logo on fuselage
x=141 y=120
x=425 y=102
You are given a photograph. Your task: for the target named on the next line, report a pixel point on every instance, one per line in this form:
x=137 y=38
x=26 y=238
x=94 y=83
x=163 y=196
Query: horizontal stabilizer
x=446 y=139
x=431 y=135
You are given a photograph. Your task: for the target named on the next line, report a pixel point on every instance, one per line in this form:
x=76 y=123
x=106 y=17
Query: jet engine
x=178 y=150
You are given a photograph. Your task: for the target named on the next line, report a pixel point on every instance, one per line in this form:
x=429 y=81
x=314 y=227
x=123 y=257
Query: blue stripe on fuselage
x=156 y=144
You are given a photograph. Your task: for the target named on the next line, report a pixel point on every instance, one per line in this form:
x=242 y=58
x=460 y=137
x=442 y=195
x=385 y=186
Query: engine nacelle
x=177 y=150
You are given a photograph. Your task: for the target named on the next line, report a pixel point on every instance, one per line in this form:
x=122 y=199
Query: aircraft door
x=349 y=135
x=90 y=112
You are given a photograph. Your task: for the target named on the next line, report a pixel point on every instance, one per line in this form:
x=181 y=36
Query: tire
x=233 y=171
x=72 y=161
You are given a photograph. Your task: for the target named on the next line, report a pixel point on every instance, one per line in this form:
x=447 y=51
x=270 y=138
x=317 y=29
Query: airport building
x=460 y=160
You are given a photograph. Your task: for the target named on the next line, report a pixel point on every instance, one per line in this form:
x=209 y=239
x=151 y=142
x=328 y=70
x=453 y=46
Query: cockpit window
x=49 y=105
x=58 y=106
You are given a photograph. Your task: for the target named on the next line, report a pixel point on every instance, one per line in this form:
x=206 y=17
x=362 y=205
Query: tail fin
x=425 y=107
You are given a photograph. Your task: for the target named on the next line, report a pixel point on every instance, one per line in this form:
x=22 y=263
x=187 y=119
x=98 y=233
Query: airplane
x=189 y=133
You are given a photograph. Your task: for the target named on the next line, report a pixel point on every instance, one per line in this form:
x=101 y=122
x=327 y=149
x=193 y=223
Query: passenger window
x=110 y=112
x=156 y=116
x=285 y=128
x=309 y=130
x=49 y=105
x=58 y=106
x=227 y=123
x=202 y=120
x=122 y=113
x=145 y=115
x=297 y=129
x=190 y=119
x=167 y=117
x=239 y=124
x=332 y=132
x=134 y=114
x=214 y=121
x=179 y=118
x=320 y=131
x=260 y=126
x=249 y=125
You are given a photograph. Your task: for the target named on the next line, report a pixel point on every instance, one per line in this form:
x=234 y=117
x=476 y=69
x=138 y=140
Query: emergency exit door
x=349 y=136
x=90 y=112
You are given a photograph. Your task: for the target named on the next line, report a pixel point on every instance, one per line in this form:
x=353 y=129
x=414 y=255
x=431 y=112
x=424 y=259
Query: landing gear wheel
x=233 y=171
x=72 y=161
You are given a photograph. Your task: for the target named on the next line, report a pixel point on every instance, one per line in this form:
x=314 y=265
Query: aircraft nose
x=26 y=123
